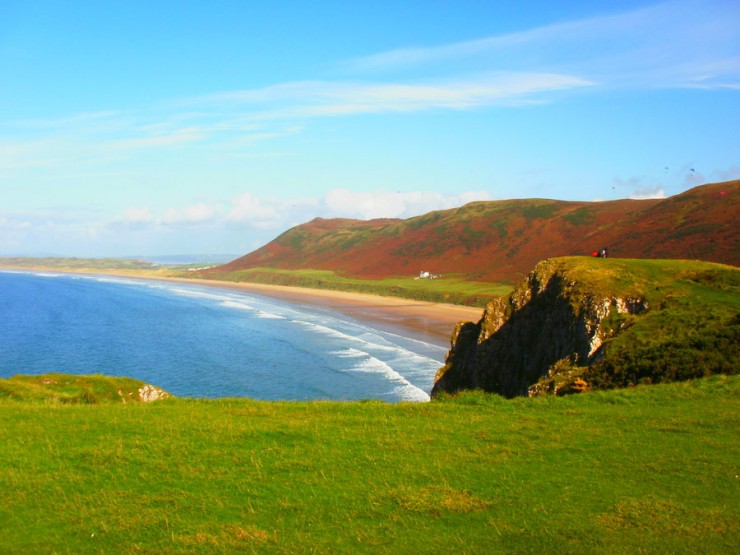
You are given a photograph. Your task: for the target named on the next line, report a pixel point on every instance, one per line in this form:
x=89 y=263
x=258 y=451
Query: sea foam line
x=371 y=365
x=390 y=349
x=406 y=389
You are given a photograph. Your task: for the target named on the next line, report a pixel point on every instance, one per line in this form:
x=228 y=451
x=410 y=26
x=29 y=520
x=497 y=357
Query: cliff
x=580 y=323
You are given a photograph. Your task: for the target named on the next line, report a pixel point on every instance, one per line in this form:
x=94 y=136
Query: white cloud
x=134 y=218
x=643 y=193
x=366 y=205
x=683 y=43
x=334 y=98
x=639 y=189
x=194 y=215
x=270 y=214
x=13 y=233
x=12 y=224
x=17 y=154
x=176 y=137
x=253 y=211
x=45 y=231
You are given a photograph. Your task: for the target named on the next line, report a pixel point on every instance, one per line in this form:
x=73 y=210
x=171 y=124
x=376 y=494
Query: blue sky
x=153 y=127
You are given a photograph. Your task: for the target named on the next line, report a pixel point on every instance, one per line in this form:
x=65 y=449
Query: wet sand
x=425 y=321
x=430 y=322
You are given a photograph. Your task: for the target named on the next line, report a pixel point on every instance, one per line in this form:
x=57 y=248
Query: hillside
x=501 y=241
x=590 y=323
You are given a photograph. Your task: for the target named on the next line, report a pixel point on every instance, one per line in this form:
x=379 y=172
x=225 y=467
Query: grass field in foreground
x=651 y=469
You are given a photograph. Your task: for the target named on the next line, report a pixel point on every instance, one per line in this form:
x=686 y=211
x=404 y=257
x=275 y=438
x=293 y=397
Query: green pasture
x=641 y=470
x=690 y=327
x=453 y=289
x=80 y=264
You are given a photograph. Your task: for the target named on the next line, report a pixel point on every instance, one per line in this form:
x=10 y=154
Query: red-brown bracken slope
x=503 y=240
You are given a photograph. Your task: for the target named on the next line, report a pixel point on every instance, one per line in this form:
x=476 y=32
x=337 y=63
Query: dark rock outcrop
x=535 y=341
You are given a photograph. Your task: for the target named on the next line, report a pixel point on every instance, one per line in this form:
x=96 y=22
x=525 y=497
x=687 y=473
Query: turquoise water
x=203 y=341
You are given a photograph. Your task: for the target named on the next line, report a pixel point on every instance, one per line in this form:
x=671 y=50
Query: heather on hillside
x=500 y=241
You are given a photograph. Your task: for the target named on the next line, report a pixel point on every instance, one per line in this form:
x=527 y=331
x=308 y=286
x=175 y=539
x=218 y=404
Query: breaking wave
x=205 y=342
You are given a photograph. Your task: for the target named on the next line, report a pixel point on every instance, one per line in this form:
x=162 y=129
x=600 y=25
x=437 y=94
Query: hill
x=582 y=323
x=500 y=241
x=648 y=470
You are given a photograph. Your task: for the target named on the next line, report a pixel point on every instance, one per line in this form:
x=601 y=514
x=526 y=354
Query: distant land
x=501 y=241
x=185 y=259
x=148 y=264
x=480 y=250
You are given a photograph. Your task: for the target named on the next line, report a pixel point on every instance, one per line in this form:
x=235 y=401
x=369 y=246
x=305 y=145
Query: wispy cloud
x=272 y=214
x=87 y=140
x=334 y=98
x=673 y=44
x=733 y=172
x=684 y=43
x=134 y=218
x=47 y=227
x=237 y=120
x=390 y=204
x=644 y=193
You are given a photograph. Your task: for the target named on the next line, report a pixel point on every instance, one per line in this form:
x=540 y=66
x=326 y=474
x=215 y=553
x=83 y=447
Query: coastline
x=426 y=321
x=431 y=322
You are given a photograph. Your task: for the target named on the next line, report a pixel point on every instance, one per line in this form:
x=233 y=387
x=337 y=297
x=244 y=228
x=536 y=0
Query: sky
x=152 y=127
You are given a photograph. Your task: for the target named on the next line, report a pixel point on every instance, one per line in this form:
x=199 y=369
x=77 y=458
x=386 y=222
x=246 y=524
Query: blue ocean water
x=204 y=342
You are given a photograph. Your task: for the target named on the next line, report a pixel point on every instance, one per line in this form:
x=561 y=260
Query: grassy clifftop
x=650 y=470
x=86 y=390
x=583 y=322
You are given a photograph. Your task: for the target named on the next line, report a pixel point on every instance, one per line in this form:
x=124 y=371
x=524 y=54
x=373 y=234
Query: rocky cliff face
x=536 y=341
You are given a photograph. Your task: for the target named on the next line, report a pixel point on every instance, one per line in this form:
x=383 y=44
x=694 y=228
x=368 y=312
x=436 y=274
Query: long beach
x=429 y=321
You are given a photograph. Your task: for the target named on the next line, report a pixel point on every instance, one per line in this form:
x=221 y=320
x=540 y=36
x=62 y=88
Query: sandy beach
x=427 y=321
x=431 y=322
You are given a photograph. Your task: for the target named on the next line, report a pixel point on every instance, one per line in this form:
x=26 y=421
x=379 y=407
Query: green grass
x=646 y=470
x=76 y=263
x=448 y=289
x=70 y=389
x=686 y=322
x=690 y=328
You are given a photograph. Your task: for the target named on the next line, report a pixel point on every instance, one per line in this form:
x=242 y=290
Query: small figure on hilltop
x=601 y=253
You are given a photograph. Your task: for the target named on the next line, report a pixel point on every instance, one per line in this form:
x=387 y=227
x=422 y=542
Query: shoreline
x=427 y=321
x=431 y=322
x=434 y=322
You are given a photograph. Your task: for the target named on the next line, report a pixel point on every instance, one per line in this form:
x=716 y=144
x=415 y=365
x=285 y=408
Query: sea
x=205 y=342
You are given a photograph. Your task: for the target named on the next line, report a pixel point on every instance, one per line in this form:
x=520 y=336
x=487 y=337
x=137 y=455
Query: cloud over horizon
x=275 y=214
x=243 y=138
